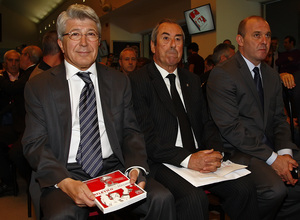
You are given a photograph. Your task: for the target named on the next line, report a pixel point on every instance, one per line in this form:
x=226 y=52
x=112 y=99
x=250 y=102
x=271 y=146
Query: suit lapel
x=267 y=89
x=61 y=98
x=161 y=89
x=105 y=89
x=185 y=89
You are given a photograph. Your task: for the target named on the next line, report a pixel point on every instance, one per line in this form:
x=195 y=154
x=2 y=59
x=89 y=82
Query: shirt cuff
x=185 y=162
x=272 y=158
x=285 y=151
x=135 y=167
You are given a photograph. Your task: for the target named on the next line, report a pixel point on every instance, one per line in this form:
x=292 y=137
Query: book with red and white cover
x=113 y=191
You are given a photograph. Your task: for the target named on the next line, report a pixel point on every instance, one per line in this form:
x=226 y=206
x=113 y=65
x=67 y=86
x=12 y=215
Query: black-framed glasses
x=76 y=35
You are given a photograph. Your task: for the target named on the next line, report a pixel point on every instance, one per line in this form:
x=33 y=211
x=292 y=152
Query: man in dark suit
x=53 y=139
x=12 y=120
x=250 y=116
x=166 y=139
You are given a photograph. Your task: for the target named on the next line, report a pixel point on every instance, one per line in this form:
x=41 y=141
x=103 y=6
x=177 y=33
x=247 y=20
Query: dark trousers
x=159 y=204
x=238 y=197
x=275 y=199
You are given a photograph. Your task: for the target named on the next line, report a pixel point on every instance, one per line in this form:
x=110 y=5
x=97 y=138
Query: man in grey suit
x=162 y=122
x=53 y=139
x=250 y=116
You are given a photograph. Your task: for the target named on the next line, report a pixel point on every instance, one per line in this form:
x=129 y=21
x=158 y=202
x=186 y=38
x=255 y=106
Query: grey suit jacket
x=157 y=116
x=236 y=109
x=47 y=136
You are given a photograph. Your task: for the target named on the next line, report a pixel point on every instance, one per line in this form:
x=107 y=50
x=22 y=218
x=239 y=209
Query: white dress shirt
x=76 y=85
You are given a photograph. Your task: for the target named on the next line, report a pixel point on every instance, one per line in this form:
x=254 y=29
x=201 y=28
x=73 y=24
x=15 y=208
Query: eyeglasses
x=76 y=36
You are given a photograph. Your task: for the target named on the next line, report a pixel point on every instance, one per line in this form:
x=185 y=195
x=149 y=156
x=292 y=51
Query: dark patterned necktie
x=259 y=88
x=184 y=123
x=89 y=154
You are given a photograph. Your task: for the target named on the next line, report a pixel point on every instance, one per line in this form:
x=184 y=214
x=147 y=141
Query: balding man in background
x=30 y=57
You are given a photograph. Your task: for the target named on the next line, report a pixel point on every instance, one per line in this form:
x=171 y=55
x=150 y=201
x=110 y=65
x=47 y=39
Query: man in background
x=128 y=60
x=12 y=121
x=221 y=53
x=30 y=57
x=195 y=61
x=52 y=55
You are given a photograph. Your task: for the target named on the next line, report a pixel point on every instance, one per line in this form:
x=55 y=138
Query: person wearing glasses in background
x=54 y=141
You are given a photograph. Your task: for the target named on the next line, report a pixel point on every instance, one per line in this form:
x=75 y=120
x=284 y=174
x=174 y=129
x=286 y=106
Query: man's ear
x=152 y=46
x=240 y=40
x=60 y=44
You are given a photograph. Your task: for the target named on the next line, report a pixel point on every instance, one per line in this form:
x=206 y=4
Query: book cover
x=113 y=191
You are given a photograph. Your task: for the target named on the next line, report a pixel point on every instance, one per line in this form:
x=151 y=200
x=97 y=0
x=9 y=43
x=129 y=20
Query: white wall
x=229 y=14
x=119 y=34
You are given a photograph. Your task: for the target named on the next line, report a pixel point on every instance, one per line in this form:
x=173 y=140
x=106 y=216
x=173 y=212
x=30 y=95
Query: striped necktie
x=89 y=154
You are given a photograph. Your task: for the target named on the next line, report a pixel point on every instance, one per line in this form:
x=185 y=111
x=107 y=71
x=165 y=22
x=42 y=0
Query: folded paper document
x=227 y=171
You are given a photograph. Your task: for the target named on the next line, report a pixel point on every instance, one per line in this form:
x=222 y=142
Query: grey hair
x=35 y=53
x=155 y=30
x=76 y=11
x=8 y=52
x=127 y=49
x=219 y=50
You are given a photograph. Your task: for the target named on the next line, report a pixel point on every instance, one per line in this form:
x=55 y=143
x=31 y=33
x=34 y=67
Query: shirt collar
x=164 y=73
x=250 y=65
x=72 y=70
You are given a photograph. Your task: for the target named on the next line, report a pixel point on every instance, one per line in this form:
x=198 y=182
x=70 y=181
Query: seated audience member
x=222 y=52
x=12 y=120
x=195 y=61
x=52 y=55
x=128 y=60
x=227 y=41
x=273 y=54
x=288 y=63
x=30 y=57
x=245 y=101
x=178 y=131
x=62 y=135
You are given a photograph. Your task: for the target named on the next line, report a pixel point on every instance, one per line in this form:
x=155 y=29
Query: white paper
x=227 y=171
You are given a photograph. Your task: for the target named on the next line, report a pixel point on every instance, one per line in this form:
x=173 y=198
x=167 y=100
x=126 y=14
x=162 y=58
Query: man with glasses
x=80 y=112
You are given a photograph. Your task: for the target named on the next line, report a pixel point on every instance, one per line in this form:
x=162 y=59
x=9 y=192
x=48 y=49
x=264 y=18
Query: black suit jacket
x=47 y=135
x=157 y=117
x=12 y=99
x=236 y=109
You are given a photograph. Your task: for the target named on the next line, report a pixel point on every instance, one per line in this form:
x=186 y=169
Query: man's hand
x=205 y=161
x=78 y=191
x=288 y=80
x=133 y=176
x=283 y=165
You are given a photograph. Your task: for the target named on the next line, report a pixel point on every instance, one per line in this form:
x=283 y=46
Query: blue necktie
x=258 y=84
x=89 y=154
x=184 y=122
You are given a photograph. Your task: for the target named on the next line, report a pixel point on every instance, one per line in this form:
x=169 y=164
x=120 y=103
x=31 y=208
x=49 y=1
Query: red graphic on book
x=198 y=19
x=114 y=191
